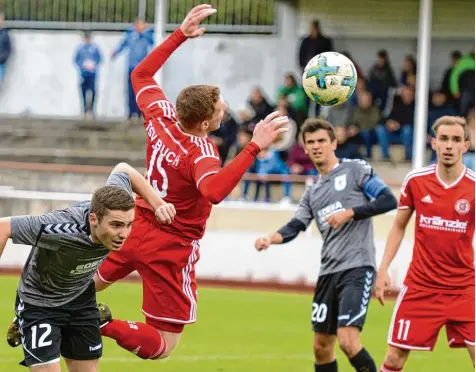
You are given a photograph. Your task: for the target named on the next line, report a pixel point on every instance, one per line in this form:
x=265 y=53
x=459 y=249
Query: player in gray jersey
x=345 y=196
x=56 y=300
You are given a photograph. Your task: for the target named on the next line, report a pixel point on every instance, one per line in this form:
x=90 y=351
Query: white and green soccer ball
x=329 y=79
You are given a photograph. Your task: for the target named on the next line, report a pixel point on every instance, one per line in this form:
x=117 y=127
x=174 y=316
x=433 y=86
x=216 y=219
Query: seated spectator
x=346 y=147
x=299 y=162
x=268 y=162
x=409 y=70
x=340 y=115
x=285 y=141
x=259 y=104
x=398 y=128
x=468 y=158
x=225 y=136
x=380 y=79
x=297 y=98
x=364 y=120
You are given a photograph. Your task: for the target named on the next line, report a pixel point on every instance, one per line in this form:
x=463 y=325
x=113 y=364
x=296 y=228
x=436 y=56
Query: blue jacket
x=87 y=54
x=138 y=45
x=5 y=46
x=271 y=164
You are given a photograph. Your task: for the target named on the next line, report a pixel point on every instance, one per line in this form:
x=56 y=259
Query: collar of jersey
x=325 y=176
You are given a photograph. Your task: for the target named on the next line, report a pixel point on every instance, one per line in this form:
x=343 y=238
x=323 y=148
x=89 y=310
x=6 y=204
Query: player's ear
x=466 y=146
x=433 y=143
x=334 y=145
x=93 y=219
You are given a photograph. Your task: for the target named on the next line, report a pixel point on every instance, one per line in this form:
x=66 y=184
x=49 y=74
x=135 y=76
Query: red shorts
x=166 y=264
x=419 y=316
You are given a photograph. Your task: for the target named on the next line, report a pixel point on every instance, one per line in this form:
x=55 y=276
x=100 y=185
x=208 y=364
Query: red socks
x=385 y=368
x=139 y=338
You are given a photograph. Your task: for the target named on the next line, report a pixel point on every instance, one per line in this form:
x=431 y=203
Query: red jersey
x=184 y=169
x=443 y=253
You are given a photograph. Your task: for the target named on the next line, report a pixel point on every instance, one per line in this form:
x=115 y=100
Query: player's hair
x=196 y=104
x=110 y=198
x=451 y=120
x=313 y=125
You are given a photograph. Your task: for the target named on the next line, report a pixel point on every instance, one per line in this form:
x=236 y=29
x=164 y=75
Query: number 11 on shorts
x=403 y=328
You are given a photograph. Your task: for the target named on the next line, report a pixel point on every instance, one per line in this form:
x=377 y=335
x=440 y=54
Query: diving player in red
x=183 y=165
x=439 y=286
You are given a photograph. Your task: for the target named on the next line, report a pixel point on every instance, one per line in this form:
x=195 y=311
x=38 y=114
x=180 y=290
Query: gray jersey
x=351 y=245
x=63 y=257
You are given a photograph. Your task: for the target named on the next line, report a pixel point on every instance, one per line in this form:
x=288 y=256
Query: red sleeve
x=216 y=184
x=406 y=195
x=149 y=96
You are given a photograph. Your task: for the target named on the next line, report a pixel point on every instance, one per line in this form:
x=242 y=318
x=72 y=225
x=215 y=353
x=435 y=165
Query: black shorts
x=71 y=330
x=341 y=299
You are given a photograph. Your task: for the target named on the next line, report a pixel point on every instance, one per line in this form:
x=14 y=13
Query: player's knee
x=349 y=341
x=323 y=351
x=396 y=357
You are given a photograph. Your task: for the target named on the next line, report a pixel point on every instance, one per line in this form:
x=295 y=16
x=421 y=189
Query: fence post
x=159 y=29
x=142 y=9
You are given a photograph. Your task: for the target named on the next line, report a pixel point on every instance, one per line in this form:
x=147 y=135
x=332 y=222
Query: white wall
x=42 y=79
x=230 y=255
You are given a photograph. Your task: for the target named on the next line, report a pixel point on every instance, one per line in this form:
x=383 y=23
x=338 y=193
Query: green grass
x=238 y=331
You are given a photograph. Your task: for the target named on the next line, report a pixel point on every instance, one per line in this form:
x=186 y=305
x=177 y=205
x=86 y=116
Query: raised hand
x=190 y=25
x=267 y=130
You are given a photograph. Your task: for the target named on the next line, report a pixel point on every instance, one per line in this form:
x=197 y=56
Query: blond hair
x=451 y=120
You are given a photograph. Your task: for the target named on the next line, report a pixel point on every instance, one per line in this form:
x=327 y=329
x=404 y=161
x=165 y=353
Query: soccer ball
x=329 y=79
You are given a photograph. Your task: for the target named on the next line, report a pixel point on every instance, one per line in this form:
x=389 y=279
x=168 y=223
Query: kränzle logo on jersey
x=323 y=213
x=438 y=223
x=86 y=268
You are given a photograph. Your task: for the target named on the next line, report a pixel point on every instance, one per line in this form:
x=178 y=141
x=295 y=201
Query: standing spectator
x=468 y=158
x=5 y=48
x=455 y=56
x=408 y=71
x=381 y=78
x=364 y=119
x=138 y=40
x=296 y=97
x=462 y=83
x=225 y=136
x=313 y=44
x=87 y=58
x=399 y=126
x=346 y=147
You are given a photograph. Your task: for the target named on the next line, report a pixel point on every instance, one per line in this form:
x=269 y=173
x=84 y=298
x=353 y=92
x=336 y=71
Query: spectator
x=462 y=83
x=225 y=136
x=346 y=147
x=259 y=104
x=5 y=48
x=360 y=74
x=409 y=70
x=299 y=162
x=313 y=44
x=296 y=97
x=399 y=126
x=87 y=59
x=468 y=158
x=381 y=78
x=364 y=119
x=138 y=40
x=445 y=84
x=268 y=162
x=340 y=115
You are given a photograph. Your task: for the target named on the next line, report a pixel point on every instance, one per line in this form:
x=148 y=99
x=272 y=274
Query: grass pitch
x=237 y=331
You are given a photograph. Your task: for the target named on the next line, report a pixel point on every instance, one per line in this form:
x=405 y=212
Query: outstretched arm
x=5 y=232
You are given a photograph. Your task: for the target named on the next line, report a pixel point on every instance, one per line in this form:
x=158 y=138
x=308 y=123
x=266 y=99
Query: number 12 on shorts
x=42 y=340
x=403 y=329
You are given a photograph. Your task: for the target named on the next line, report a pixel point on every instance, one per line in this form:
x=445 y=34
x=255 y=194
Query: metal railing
x=233 y=16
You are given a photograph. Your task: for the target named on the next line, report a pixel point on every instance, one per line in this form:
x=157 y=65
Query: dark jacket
x=311 y=47
x=5 y=46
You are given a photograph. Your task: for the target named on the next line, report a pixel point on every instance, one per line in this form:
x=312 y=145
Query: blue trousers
x=88 y=84
x=133 y=108
x=403 y=136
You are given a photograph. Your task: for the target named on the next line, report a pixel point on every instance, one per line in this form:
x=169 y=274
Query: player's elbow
x=123 y=168
x=214 y=199
x=388 y=201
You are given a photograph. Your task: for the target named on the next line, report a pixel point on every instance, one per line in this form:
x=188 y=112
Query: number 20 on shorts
x=319 y=312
